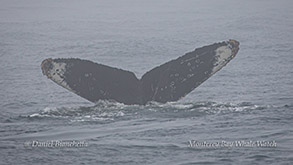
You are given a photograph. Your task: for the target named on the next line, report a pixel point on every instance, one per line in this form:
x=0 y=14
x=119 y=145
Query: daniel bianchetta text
x=56 y=144
x=240 y=143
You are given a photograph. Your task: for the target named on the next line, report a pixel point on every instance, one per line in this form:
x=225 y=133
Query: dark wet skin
x=167 y=82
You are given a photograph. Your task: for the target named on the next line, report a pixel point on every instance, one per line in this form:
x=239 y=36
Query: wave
x=111 y=111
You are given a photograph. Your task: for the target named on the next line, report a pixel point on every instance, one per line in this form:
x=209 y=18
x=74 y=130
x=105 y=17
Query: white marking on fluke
x=57 y=74
x=223 y=53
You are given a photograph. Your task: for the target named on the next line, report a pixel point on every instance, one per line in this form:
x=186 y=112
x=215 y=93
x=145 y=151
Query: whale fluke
x=167 y=82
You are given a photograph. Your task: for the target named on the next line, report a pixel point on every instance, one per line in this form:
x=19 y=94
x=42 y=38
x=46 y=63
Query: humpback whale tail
x=167 y=82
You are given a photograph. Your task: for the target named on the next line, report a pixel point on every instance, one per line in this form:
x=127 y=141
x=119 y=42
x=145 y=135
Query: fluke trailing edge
x=167 y=82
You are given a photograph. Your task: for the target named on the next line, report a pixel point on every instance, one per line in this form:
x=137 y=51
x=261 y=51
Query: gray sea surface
x=249 y=102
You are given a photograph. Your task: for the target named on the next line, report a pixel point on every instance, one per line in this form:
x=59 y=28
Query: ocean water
x=250 y=101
